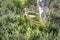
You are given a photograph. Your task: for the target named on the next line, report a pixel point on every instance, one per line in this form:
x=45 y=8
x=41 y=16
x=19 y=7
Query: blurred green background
x=15 y=26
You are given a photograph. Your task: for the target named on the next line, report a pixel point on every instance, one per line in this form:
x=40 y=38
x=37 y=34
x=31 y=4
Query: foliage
x=13 y=5
x=18 y=27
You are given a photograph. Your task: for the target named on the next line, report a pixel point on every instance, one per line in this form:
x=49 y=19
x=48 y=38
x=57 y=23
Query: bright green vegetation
x=17 y=27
